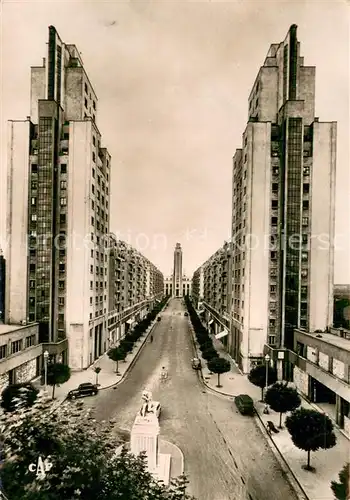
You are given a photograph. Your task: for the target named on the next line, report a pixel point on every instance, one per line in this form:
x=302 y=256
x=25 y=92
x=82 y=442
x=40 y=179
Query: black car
x=87 y=389
x=245 y=404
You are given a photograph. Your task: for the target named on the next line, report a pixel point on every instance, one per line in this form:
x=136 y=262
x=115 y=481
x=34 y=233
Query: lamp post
x=267 y=361
x=46 y=357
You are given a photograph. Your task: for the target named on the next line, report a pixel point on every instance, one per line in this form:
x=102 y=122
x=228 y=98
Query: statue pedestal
x=144 y=437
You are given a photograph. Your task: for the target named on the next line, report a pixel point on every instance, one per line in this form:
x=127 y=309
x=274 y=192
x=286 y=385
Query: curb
x=290 y=476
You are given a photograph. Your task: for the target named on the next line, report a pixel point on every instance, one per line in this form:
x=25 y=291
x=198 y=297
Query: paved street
x=226 y=457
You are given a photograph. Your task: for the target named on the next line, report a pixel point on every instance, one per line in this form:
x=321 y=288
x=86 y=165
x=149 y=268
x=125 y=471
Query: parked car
x=87 y=389
x=159 y=318
x=245 y=404
x=196 y=363
x=186 y=313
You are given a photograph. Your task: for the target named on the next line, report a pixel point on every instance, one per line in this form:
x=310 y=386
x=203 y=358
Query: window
x=98 y=180
x=63 y=218
x=273 y=255
x=61 y=285
x=63 y=184
x=275 y=170
x=61 y=267
x=61 y=301
x=93 y=189
x=86 y=88
x=93 y=157
x=94 y=140
x=33 y=217
x=32 y=268
x=91 y=269
x=274 y=221
x=304 y=273
x=34 y=168
x=34 y=185
x=272 y=322
x=33 y=202
x=85 y=102
x=306 y=188
x=61 y=317
x=306 y=170
x=273 y=288
x=94 y=104
x=93 y=173
x=3 y=351
x=304 y=256
x=92 y=221
x=274 y=187
x=63 y=202
x=63 y=168
x=32 y=252
x=16 y=346
x=92 y=253
x=30 y=340
x=32 y=284
x=305 y=221
x=272 y=339
x=90 y=300
x=305 y=204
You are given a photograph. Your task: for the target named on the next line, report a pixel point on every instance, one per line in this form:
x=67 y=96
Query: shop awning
x=210 y=321
x=221 y=334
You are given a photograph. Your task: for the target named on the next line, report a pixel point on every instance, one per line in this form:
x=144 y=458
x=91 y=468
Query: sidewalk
x=328 y=463
x=107 y=376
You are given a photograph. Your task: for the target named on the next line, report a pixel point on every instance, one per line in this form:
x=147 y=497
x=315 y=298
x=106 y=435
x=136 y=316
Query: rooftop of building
x=339 y=337
x=5 y=328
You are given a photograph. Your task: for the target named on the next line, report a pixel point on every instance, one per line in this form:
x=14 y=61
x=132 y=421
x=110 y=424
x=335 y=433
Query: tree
x=82 y=453
x=257 y=376
x=310 y=430
x=18 y=395
x=97 y=370
x=341 y=489
x=282 y=398
x=117 y=354
x=209 y=354
x=57 y=374
x=219 y=366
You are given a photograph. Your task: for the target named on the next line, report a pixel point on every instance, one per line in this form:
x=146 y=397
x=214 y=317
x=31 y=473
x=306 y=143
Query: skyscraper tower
x=283 y=210
x=58 y=209
x=177 y=272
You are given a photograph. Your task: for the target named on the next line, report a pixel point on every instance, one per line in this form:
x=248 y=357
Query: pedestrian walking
x=163 y=374
x=151 y=338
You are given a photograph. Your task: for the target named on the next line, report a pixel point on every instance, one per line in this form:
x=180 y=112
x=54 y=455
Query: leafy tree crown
x=310 y=429
x=219 y=365
x=257 y=375
x=282 y=398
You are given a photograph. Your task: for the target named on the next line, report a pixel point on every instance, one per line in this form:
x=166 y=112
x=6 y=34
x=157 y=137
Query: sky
x=173 y=80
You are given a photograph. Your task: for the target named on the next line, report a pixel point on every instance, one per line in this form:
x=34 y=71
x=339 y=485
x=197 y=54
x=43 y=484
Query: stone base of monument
x=170 y=467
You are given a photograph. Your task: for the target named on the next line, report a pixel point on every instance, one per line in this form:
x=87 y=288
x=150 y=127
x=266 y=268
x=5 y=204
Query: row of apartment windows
x=17 y=346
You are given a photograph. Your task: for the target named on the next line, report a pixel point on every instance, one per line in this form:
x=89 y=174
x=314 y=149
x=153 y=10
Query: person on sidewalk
x=163 y=374
x=151 y=338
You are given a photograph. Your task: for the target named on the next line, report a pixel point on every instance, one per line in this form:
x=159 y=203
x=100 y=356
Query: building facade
x=58 y=210
x=135 y=284
x=177 y=272
x=321 y=371
x=20 y=354
x=197 y=287
x=2 y=286
x=186 y=286
x=211 y=293
x=168 y=285
x=283 y=210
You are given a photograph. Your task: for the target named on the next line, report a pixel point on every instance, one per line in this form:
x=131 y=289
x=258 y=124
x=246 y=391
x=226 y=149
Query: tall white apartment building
x=58 y=210
x=283 y=210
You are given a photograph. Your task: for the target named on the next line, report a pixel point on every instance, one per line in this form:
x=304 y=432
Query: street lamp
x=46 y=357
x=267 y=361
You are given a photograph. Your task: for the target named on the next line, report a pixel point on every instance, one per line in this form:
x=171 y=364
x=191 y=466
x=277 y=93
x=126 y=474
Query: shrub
x=206 y=345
